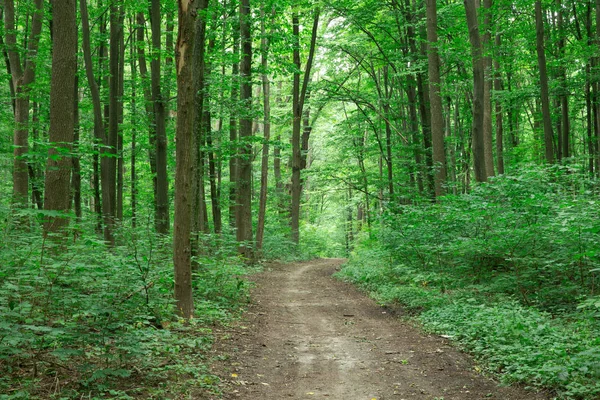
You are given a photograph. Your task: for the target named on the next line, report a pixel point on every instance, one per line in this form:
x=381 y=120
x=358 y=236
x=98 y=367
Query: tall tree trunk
x=133 y=116
x=62 y=88
x=244 y=173
x=198 y=141
x=162 y=184
x=435 y=99
x=388 y=132
x=141 y=22
x=110 y=146
x=233 y=129
x=548 y=134
x=264 y=170
x=478 y=92
x=488 y=144
x=121 y=91
x=99 y=133
x=76 y=177
x=498 y=87
x=299 y=95
x=184 y=155
x=564 y=90
x=23 y=75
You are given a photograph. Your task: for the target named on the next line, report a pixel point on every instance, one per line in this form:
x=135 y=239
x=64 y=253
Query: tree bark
x=244 y=173
x=539 y=33
x=23 y=75
x=298 y=96
x=264 y=170
x=161 y=220
x=498 y=87
x=488 y=143
x=62 y=88
x=435 y=99
x=478 y=92
x=184 y=155
x=233 y=129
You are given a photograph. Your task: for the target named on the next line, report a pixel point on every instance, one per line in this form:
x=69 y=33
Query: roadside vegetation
x=510 y=272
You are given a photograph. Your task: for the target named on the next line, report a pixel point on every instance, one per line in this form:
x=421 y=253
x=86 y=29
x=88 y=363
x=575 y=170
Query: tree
x=541 y=53
x=478 y=91
x=162 y=182
x=64 y=67
x=244 y=166
x=184 y=153
x=299 y=96
x=23 y=76
x=435 y=98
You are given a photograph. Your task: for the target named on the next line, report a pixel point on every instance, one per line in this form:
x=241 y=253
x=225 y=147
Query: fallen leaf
x=234 y=375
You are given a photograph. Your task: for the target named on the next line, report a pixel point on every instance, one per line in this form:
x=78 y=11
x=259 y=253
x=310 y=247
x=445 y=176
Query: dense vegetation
x=510 y=271
x=152 y=153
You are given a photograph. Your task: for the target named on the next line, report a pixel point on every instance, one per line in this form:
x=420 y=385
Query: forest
x=154 y=156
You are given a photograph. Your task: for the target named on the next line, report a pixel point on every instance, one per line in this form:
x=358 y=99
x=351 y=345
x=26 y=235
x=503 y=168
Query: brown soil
x=308 y=335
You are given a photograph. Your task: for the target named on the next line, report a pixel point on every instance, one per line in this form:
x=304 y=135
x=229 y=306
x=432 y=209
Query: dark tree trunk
x=161 y=220
x=244 y=173
x=233 y=129
x=23 y=75
x=133 y=116
x=498 y=87
x=299 y=95
x=264 y=170
x=478 y=92
x=184 y=155
x=435 y=99
x=76 y=177
x=547 y=118
x=99 y=134
x=488 y=143
x=62 y=88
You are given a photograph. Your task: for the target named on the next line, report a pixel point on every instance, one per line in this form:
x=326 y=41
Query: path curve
x=309 y=336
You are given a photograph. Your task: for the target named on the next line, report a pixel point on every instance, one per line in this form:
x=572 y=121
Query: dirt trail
x=309 y=336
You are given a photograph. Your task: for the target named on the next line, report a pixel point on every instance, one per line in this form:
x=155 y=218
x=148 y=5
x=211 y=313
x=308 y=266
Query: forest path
x=308 y=336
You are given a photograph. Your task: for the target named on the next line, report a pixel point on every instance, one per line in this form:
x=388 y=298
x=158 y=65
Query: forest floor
x=307 y=335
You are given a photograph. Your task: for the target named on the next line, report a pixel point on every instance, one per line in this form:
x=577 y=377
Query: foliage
x=509 y=270
x=78 y=318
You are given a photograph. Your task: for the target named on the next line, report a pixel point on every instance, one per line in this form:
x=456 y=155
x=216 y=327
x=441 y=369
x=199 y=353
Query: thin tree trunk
x=488 y=144
x=233 y=130
x=264 y=170
x=76 y=177
x=564 y=133
x=184 y=155
x=478 y=92
x=99 y=134
x=133 y=117
x=548 y=134
x=62 y=88
x=244 y=173
x=299 y=95
x=498 y=87
x=435 y=98
x=162 y=183
x=23 y=75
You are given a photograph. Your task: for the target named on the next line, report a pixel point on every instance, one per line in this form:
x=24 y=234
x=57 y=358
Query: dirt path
x=310 y=336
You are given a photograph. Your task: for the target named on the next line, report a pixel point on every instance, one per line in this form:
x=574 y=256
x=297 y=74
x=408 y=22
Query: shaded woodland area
x=152 y=153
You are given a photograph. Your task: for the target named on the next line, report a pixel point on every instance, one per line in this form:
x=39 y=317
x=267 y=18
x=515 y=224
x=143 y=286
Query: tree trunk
x=564 y=97
x=499 y=112
x=62 y=88
x=161 y=221
x=133 y=117
x=140 y=19
x=488 y=144
x=264 y=170
x=244 y=173
x=233 y=130
x=184 y=156
x=99 y=134
x=299 y=95
x=435 y=99
x=76 y=177
x=478 y=92
x=548 y=134
x=200 y=217
x=23 y=75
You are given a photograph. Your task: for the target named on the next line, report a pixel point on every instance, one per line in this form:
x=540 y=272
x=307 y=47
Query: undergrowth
x=81 y=321
x=510 y=271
